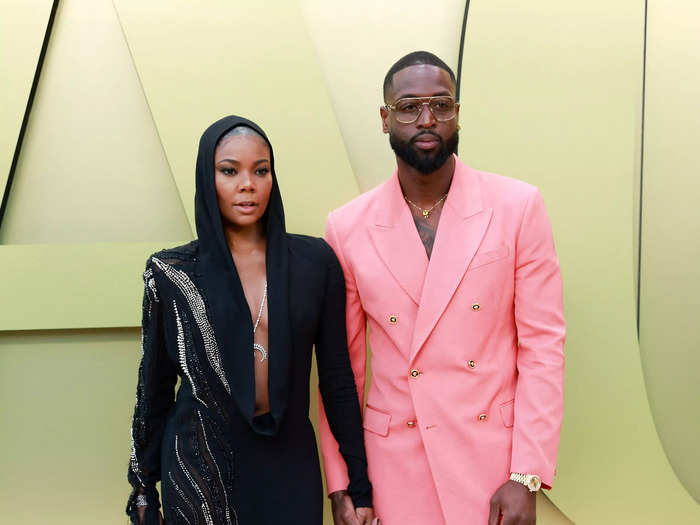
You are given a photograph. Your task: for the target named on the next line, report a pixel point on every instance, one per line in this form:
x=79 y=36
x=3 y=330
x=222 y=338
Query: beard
x=429 y=161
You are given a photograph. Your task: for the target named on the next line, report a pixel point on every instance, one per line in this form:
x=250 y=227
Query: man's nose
x=426 y=119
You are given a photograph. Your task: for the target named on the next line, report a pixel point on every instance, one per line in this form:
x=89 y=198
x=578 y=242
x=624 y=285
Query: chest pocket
x=489 y=256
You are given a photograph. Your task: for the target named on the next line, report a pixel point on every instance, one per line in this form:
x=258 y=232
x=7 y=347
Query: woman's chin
x=240 y=221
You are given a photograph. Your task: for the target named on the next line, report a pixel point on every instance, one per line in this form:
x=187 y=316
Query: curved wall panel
x=22 y=29
x=252 y=59
x=552 y=95
x=670 y=263
x=356 y=43
x=91 y=168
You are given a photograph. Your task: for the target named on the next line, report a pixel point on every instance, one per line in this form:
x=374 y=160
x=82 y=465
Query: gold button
x=482 y=417
x=411 y=423
x=476 y=306
x=472 y=364
x=415 y=373
x=393 y=319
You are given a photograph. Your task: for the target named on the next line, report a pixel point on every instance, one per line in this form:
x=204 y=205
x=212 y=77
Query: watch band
x=531 y=481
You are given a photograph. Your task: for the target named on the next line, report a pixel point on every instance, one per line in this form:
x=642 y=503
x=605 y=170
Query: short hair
x=417 y=58
x=240 y=130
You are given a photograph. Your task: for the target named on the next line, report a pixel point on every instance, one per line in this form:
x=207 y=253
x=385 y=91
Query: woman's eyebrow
x=260 y=161
x=228 y=160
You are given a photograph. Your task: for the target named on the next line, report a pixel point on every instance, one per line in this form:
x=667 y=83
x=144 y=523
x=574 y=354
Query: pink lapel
x=396 y=239
x=463 y=223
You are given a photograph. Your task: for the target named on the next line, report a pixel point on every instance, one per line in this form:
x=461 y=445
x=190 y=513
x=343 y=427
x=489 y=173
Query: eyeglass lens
x=409 y=109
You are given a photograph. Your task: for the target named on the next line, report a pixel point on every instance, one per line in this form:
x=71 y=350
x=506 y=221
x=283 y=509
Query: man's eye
x=407 y=107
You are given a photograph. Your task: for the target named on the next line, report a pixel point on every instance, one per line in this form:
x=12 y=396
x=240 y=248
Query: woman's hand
x=344 y=513
x=365 y=516
x=142 y=514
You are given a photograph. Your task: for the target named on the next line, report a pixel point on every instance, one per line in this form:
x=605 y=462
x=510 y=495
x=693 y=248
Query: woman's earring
x=459 y=127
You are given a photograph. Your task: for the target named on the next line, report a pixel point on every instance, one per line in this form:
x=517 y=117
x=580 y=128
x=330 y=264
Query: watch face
x=534 y=483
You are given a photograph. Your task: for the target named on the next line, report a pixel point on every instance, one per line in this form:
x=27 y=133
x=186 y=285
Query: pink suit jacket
x=467 y=347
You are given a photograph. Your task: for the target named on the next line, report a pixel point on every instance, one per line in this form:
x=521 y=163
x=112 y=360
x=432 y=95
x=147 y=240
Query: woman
x=237 y=446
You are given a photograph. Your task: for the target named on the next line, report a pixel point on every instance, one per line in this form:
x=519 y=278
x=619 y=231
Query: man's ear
x=384 y=113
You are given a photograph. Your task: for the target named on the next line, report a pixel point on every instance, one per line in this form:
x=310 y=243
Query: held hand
x=365 y=516
x=515 y=503
x=343 y=509
x=142 y=515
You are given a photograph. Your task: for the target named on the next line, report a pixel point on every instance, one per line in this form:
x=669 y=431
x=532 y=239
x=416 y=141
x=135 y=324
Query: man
x=455 y=273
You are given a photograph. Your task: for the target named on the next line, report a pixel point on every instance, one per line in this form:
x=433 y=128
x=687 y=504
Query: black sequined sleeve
x=337 y=385
x=154 y=398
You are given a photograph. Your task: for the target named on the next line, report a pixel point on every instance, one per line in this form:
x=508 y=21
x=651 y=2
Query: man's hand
x=515 y=503
x=344 y=512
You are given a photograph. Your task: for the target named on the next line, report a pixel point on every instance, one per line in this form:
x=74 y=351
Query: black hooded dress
x=216 y=461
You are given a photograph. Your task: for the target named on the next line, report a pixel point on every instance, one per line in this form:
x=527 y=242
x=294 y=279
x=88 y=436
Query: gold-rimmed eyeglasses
x=407 y=110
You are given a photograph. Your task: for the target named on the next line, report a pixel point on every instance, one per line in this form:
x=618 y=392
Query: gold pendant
x=425 y=214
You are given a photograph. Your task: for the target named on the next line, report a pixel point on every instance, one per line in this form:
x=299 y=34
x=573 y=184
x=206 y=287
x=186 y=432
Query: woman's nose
x=246 y=182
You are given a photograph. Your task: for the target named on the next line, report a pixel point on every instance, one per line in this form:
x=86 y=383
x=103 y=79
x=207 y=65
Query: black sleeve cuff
x=361 y=497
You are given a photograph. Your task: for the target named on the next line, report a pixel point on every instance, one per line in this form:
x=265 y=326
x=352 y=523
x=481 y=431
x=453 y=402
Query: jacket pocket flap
x=376 y=421
x=480 y=259
x=508 y=413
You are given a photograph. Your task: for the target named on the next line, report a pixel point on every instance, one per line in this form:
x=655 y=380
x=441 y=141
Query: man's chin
x=428 y=162
x=428 y=153
x=422 y=160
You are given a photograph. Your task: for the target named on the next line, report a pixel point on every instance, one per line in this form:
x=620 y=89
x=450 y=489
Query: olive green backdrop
x=552 y=93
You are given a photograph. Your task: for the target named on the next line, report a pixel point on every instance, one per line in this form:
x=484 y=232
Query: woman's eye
x=228 y=171
x=262 y=171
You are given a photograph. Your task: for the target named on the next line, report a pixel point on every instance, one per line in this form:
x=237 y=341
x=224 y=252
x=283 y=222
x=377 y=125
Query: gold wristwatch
x=531 y=481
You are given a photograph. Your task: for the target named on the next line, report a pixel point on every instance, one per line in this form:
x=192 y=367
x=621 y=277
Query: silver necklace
x=257 y=346
x=426 y=213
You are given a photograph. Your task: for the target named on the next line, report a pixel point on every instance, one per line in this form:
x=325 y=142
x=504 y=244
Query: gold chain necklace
x=426 y=212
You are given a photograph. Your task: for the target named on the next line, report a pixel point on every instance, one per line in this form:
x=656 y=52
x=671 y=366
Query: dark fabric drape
x=225 y=292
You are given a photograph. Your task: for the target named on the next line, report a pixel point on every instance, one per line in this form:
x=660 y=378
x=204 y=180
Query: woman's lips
x=246 y=207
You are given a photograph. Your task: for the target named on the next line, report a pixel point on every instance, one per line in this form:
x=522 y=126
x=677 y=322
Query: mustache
x=426 y=132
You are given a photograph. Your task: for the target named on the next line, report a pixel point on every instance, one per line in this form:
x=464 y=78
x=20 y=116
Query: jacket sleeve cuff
x=546 y=475
x=336 y=476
